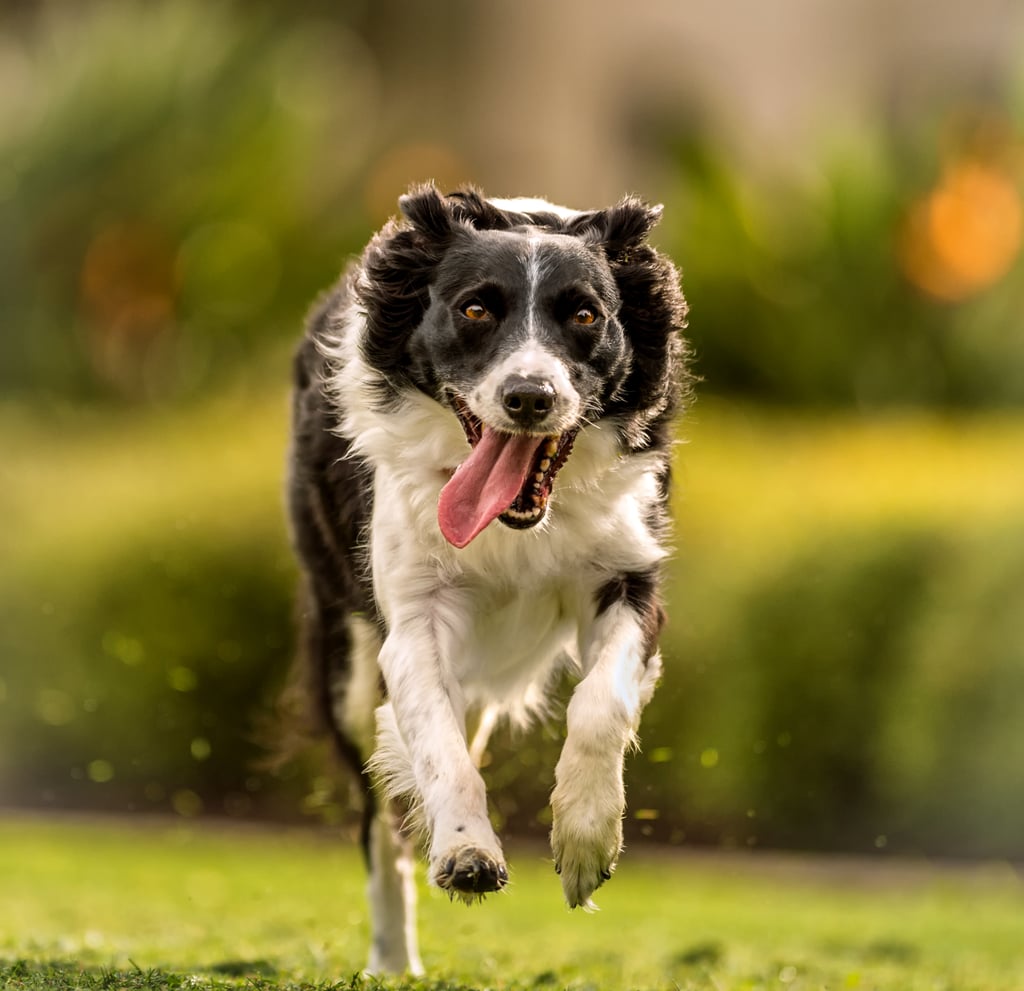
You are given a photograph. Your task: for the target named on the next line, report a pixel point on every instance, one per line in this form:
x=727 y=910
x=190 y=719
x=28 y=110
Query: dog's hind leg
x=390 y=863
x=342 y=648
x=391 y=893
x=482 y=734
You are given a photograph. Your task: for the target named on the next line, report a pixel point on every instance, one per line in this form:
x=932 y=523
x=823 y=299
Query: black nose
x=527 y=401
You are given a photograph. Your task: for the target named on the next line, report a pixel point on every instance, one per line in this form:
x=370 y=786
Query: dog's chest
x=513 y=637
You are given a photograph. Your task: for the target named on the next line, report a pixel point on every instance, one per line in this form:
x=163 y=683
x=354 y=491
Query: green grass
x=162 y=905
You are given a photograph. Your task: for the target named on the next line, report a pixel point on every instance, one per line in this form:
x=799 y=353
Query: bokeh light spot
x=100 y=771
x=182 y=679
x=186 y=803
x=709 y=758
x=965 y=234
x=55 y=707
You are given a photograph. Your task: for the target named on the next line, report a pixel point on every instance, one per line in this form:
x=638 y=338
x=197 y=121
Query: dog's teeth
x=538 y=476
x=544 y=465
x=551 y=447
x=530 y=514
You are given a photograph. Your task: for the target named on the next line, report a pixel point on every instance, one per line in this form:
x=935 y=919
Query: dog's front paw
x=585 y=852
x=469 y=873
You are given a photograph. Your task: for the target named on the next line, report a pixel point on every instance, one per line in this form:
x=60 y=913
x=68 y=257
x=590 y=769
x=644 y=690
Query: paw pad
x=470 y=874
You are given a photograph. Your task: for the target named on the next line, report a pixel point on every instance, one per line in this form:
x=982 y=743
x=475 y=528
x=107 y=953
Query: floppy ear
x=652 y=313
x=621 y=228
x=398 y=264
x=627 y=224
x=428 y=211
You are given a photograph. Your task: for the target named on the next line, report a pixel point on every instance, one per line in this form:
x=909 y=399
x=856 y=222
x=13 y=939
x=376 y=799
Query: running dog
x=479 y=475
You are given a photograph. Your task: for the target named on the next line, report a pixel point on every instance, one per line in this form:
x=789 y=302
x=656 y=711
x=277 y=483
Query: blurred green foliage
x=844 y=667
x=886 y=271
x=178 y=180
x=145 y=612
x=141 y=675
x=856 y=684
x=860 y=696
x=175 y=187
x=863 y=694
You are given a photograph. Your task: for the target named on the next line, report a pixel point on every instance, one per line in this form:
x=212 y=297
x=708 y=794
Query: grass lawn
x=120 y=904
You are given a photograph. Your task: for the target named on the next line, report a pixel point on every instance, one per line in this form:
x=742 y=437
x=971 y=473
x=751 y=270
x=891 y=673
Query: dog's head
x=528 y=324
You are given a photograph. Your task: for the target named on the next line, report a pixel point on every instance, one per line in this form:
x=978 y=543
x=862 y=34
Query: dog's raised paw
x=586 y=861
x=469 y=874
x=580 y=881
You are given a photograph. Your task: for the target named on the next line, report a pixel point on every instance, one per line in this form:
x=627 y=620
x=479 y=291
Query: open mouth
x=506 y=477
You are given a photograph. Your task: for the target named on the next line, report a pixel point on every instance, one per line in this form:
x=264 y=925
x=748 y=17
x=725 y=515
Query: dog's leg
x=391 y=893
x=391 y=885
x=482 y=734
x=621 y=669
x=344 y=681
x=422 y=749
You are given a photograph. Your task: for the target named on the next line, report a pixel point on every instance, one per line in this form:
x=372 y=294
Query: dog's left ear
x=628 y=224
x=621 y=228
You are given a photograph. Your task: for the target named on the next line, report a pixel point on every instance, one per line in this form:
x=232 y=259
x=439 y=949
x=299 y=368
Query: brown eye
x=475 y=311
x=584 y=315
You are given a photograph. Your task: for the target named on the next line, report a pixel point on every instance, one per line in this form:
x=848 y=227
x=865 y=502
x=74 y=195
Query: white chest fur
x=513 y=605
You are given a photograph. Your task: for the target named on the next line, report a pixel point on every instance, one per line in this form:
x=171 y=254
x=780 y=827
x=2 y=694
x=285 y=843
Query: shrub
x=137 y=677
x=861 y=692
x=172 y=188
x=851 y=683
x=885 y=272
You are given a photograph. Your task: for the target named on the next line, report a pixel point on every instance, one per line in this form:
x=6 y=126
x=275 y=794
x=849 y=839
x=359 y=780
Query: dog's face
x=522 y=327
x=516 y=322
x=522 y=339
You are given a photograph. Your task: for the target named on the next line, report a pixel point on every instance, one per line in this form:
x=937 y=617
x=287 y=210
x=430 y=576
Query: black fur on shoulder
x=640 y=591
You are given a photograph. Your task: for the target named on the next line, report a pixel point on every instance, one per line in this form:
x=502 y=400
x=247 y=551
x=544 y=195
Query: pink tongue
x=485 y=484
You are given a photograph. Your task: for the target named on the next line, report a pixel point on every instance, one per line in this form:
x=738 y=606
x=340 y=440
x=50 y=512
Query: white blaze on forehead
x=531 y=359
x=532 y=281
x=526 y=204
x=542 y=251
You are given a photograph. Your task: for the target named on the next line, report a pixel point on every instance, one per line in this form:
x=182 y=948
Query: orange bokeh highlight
x=127 y=290
x=965 y=234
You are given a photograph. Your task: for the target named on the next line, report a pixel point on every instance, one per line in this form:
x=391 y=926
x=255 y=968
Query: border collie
x=479 y=473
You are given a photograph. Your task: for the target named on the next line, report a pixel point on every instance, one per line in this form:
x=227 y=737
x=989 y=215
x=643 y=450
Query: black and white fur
x=410 y=641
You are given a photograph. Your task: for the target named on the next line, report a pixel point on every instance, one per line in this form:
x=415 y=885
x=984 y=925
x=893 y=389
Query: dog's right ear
x=428 y=211
x=398 y=265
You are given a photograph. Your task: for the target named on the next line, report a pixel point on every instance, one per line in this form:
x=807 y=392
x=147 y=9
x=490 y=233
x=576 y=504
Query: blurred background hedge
x=845 y=657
